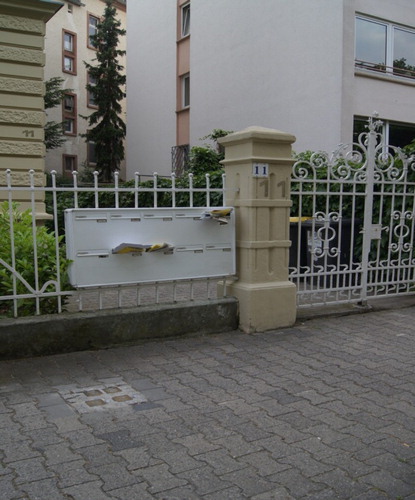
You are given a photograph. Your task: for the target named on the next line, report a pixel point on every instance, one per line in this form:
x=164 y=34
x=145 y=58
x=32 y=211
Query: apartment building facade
x=315 y=68
x=67 y=46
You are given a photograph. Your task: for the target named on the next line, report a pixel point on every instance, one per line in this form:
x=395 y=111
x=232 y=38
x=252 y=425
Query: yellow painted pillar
x=258 y=165
x=22 y=116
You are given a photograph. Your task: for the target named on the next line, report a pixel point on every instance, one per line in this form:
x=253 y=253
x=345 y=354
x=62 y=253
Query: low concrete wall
x=53 y=334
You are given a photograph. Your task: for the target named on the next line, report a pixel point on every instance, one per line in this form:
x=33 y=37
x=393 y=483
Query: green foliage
x=54 y=94
x=206 y=159
x=203 y=160
x=105 y=126
x=11 y=219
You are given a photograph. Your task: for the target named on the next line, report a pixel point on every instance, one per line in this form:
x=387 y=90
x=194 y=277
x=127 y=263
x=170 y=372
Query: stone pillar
x=258 y=165
x=22 y=116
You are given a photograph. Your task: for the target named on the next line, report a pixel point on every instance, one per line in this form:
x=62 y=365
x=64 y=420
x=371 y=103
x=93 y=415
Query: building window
x=93 y=22
x=185 y=80
x=396 y=134
x=69 y=52
x=69 y=114
x=91 y=153
x=185 y=16
x=69 y=165
x=90 y=96
x=384 y=47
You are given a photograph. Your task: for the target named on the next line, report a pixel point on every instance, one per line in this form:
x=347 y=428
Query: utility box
x=131 y=245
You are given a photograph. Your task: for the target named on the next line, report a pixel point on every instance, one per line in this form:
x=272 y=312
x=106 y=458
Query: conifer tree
x=54 y=95
x=105 y=125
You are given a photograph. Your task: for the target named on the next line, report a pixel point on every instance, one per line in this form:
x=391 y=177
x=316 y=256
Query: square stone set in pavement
x=101 y=397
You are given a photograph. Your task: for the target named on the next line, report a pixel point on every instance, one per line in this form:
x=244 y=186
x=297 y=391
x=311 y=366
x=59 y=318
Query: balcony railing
x=406 y=72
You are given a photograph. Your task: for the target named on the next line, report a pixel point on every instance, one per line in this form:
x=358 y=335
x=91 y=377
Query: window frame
x=185 y=20
x=69 y=54
x=89 y=98
x=89 y=145
x=89 y=44
x=385 y=131
x=66 y=172
x=68 y=115
x=185 y=91
x=390 y=30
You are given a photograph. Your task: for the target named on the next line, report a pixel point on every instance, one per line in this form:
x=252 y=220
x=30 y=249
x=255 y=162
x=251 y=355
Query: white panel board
x=200 y=245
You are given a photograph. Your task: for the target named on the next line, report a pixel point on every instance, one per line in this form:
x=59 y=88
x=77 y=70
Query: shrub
x=11 y=219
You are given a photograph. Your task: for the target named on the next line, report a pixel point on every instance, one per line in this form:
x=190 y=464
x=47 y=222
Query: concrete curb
x=68 y=332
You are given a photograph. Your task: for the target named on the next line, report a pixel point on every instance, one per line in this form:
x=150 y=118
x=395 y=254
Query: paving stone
x=383 y=481
x=197 y=444
x=342 y=484
x=399 y=468
x=237 y=445
x=46 y=488
x=159 y=478
x=19 y=450
x=79 y=439
x=220 y=461
x=179 y=460
x=204 y=481
x=135 y=491
x=277 y=493
x=306 y=464
x=350 y=465
x=98 y=455
x=29 y=470
x=113 y=475
x=8 y=490
x=71 y=473
x=264 y=463
x=120 y=440
x=91 y=491
x=250 y=483
x=184 y=492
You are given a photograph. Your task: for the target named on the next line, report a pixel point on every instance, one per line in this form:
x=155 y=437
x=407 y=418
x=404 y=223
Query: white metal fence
x=353 y=238
x=33 y=265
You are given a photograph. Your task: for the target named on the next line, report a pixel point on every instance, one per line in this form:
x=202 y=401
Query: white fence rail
x=33 y=264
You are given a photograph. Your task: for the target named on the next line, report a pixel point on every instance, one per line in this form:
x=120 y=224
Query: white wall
x=270 y=63
x=151 y=85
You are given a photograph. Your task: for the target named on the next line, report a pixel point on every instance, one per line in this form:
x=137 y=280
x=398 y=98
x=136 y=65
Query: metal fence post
x=258 y=171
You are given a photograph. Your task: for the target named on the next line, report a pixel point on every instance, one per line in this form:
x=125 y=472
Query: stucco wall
x=151 y=83
x=267 y=63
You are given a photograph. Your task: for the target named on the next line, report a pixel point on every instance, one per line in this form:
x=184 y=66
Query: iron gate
x=352 y=229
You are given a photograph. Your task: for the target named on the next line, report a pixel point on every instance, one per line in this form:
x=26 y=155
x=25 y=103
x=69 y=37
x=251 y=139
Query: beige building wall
x=73 y=18
x=22 y=29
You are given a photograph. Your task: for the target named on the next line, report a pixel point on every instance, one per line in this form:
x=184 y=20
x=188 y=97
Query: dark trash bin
x=298 y=236
x=339 y=270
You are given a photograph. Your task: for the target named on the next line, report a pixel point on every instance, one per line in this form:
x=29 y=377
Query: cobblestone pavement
x=323 y=410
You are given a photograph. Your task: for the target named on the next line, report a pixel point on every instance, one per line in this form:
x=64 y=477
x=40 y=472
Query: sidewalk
x=324 y=410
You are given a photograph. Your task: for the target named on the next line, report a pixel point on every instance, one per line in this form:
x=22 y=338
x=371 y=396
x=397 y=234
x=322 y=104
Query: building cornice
x=34 y=9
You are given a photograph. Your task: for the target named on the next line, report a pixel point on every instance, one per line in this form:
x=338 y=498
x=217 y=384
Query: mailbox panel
x=131 y=245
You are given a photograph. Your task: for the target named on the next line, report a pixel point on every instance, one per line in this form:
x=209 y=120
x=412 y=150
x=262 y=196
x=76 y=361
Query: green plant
x=106 y=129
x=206 y=159
x=54 y=95
x=20 y=225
